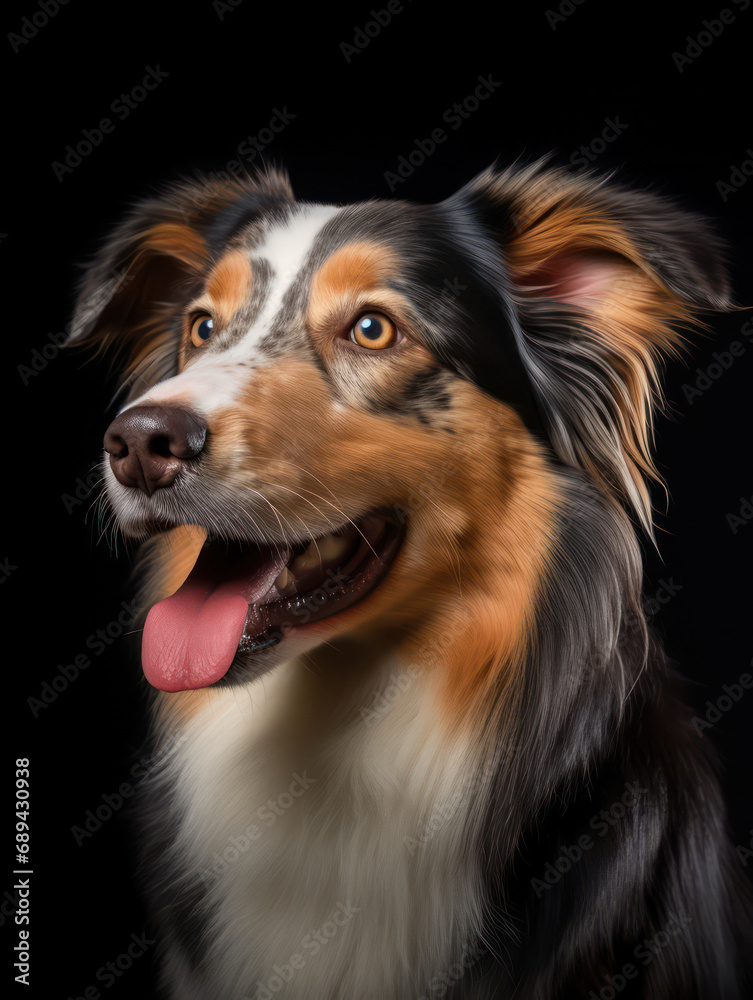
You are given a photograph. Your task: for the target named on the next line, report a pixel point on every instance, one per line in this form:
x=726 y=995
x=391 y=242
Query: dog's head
x=357 y=406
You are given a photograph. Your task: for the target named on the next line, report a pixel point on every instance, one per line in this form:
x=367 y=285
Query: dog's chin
x=246 y=607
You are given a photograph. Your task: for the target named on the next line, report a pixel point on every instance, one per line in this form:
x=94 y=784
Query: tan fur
x=635 y=319
x=177 y=240
x=349 y=275
x=479 y=629
x=228 y=286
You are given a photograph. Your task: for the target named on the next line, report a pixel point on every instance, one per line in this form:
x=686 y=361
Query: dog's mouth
x=240 y=601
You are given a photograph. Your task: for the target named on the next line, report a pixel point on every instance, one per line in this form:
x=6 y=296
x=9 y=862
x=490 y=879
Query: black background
x=228 y=72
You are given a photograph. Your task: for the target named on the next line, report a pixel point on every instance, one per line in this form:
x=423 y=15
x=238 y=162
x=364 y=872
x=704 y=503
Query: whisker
x=96 y=499
x=324 y=500
x=301 y=468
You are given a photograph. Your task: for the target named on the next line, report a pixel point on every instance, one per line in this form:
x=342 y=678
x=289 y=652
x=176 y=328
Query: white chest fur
x=335 y=849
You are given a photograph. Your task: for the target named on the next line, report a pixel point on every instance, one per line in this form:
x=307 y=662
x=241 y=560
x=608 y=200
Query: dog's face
x=351 y=403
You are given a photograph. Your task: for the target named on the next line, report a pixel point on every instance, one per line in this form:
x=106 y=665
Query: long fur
x=488 y=784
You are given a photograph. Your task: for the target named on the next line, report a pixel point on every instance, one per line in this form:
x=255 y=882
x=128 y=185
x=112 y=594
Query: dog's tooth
x=307 y=560
x=333 y=548
x=323 y=550
x=284 y=579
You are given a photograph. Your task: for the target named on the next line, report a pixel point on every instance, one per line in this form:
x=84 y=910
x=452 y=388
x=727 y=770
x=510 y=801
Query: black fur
x=604 y=748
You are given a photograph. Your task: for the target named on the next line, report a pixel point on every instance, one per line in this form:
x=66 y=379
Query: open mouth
x=240 y=601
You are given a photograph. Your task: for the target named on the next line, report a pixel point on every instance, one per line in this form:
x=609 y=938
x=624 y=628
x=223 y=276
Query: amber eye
x=202 y=329
x=375 y=331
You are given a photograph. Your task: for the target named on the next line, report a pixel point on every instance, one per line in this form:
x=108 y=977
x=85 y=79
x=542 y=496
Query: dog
x=388 y=465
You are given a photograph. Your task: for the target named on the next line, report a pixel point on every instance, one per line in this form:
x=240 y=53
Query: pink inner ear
x=575 y=278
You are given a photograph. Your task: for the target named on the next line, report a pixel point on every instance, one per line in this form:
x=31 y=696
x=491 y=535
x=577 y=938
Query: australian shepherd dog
x=389 y=468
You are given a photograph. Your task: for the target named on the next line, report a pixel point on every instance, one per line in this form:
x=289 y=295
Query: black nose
x=150 y=445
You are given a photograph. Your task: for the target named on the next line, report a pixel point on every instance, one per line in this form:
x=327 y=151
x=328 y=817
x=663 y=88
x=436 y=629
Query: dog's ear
x=603 y=279
x=152 y=263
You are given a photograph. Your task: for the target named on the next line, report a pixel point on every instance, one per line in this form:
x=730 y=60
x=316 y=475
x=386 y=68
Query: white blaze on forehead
x=285 y=249
x=213 y=381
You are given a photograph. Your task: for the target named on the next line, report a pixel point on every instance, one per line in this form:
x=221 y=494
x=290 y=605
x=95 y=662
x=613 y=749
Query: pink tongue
x=191 y=638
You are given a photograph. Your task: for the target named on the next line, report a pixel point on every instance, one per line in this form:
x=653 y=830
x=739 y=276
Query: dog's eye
x=375 y=331
x=202 y=329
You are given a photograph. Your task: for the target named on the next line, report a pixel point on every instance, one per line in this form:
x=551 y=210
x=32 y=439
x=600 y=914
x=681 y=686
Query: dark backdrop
x=663 y=101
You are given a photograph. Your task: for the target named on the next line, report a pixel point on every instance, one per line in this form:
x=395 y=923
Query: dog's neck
x=298 y=805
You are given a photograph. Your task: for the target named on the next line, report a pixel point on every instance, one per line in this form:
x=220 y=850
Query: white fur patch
x=286 y=248
x=335 y=849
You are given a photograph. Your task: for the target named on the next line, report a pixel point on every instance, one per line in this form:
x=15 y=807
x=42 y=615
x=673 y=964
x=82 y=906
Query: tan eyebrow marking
x=229 y=285
x=342 y=279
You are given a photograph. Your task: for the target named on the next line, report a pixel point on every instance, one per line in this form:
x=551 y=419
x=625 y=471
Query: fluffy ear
x=131 y=294
x=603 y=279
